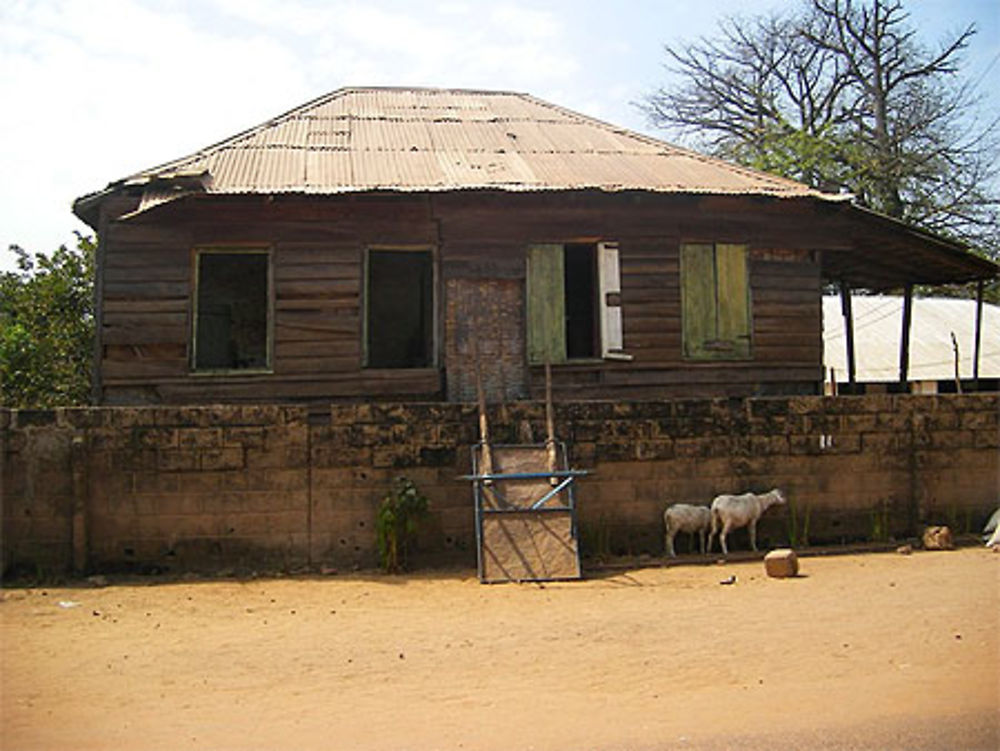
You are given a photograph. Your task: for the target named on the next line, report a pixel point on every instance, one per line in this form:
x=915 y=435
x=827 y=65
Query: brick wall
x=265 y=487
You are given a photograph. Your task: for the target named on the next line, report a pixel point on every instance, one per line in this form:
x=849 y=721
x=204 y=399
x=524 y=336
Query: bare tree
x=843 y=93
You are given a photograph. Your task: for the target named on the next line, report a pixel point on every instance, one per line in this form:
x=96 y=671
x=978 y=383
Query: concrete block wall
x=266 y=487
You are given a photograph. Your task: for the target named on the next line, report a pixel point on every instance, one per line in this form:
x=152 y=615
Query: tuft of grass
x=880 y=531
x=798 y=524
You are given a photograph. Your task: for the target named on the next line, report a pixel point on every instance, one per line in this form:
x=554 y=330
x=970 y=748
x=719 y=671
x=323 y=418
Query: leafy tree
x=47 y=327
x=842 y=93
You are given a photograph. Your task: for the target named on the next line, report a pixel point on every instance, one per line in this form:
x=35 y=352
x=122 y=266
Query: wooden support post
x=847 y=310
x=486 y=456
x=978 y=336
x=904 y=341
x=550 y=426
x=958 y=361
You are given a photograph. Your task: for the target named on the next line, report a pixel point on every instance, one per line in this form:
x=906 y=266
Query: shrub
x=399 y=515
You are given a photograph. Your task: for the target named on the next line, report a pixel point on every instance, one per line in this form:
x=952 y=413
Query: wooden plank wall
x=784 y=274
x=317 y=261
x=318 y=248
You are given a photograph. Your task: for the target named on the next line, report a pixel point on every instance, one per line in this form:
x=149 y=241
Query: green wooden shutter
x=546 y=305
x=733 y=299
x=715 y=301
x=697 y=298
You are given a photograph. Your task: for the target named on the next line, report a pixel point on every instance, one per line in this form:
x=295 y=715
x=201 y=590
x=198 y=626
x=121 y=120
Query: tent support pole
x=904 y=340
x=978 y=335
x=848 y=311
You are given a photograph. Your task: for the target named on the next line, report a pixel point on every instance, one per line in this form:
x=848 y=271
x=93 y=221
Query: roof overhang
x=153 y=190
x=858 y=247
x=882 y=253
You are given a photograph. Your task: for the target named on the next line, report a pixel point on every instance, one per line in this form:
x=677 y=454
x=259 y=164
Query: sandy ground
x=861 y=651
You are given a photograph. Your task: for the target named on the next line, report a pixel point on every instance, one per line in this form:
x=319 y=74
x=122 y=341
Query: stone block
x=938 y=538
x=246 y=437
x=195 y=438
x=952 y=439
x=134 y=460
x=176 y=460
x=222 y=459
x=24 y=418
x=153 y=438
x=781 y=563
x=986 y=439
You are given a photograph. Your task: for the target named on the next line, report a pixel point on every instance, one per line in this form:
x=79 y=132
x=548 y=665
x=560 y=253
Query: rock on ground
x=781 y=563
x=938 y=538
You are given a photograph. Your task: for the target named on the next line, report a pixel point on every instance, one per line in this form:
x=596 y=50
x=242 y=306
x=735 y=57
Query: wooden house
x=376 y=242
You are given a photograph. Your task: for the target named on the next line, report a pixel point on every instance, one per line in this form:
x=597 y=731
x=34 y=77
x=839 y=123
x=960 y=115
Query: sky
x=95 y=90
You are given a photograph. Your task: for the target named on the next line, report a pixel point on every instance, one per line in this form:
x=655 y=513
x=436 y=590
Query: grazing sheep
x=732 y=511
x=683 y=517
x=992 y=530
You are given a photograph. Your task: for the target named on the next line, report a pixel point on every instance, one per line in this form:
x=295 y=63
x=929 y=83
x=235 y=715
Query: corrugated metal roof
x=878 y=324
x=363 y=139
x=358 y=140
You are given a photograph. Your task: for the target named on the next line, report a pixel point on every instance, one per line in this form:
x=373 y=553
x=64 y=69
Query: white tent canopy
x=878 y=322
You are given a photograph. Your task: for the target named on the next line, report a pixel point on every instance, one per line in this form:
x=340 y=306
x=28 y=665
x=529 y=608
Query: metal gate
x=525 y=514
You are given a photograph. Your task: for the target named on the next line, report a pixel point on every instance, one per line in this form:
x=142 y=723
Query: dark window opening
x=400 y=313
x=580 y=266
x=232 y=318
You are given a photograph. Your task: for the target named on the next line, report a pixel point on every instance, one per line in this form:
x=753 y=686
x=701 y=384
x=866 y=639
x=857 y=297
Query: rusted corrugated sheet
x=442 y=139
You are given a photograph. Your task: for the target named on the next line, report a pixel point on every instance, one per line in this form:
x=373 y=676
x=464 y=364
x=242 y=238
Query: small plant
x=596 y=539
x=880 y=523
x=798 y=528
x=960 y=520
x=396 y=522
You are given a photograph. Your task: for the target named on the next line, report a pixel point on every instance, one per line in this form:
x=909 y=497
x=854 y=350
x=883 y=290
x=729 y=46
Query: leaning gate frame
x=526 y=526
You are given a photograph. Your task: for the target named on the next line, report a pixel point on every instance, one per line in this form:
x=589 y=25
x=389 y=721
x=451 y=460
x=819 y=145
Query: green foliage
x=798 y=524
x=595 y=538
x=880 y=531
x=47 y=327
x=396 y=523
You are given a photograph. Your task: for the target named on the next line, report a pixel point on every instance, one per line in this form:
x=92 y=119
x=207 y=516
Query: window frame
x=435 y=323
x=196 y=255
x=735 y=348
x=547 y=341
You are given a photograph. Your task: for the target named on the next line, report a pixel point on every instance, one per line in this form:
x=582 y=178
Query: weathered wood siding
x=487 y=236
x=317 y=249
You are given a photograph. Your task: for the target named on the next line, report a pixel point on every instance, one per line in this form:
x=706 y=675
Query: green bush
x=47 y=328
x=396 y=523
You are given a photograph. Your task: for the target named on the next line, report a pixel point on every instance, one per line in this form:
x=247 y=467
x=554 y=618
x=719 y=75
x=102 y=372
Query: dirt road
x=861 y=651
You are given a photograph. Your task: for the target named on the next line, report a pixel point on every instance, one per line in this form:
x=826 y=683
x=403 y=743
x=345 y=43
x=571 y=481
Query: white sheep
x=732 y=511
x=992 y=530
x=683 y=517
